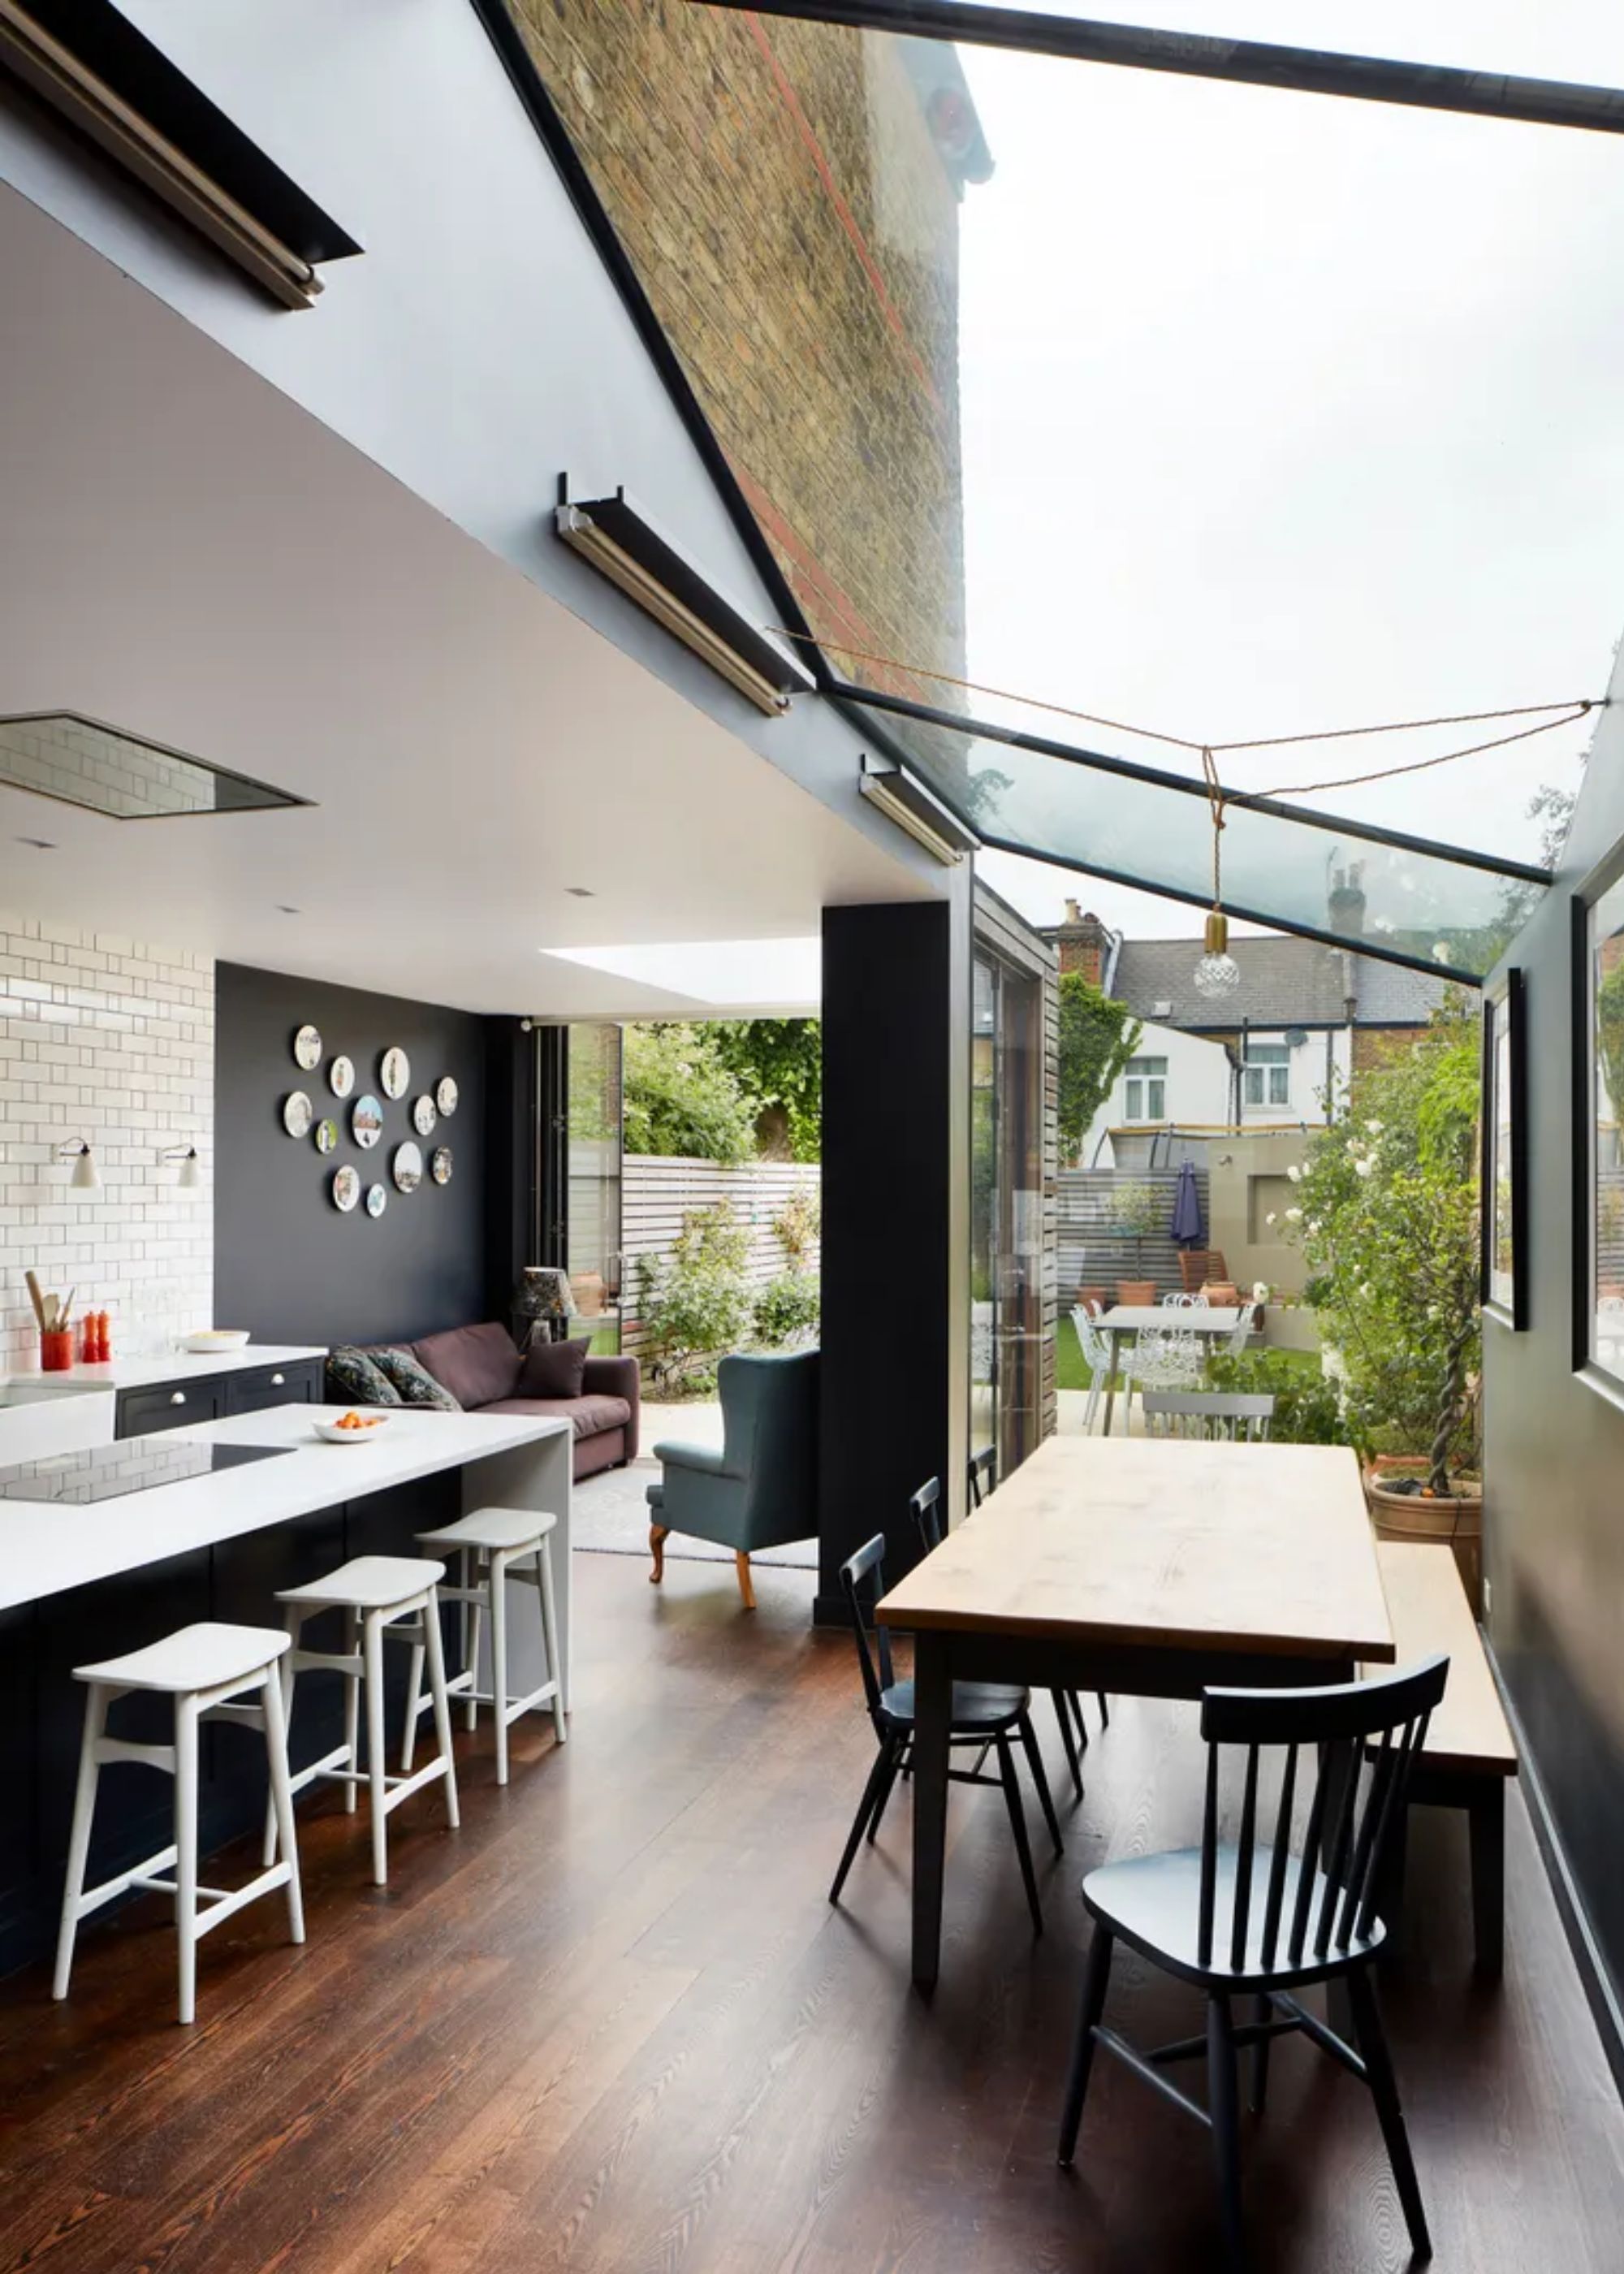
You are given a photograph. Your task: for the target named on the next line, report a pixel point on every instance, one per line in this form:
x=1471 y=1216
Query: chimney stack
x=1082 y=940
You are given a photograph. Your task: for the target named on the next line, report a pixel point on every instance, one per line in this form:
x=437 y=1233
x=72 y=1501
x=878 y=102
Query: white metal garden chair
x=1184 y=1302
x=1229 y=1416
x=1167 y=1359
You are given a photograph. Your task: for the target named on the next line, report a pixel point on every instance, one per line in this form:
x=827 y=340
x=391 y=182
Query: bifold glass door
x=594 y=1183
x=1006 y=1212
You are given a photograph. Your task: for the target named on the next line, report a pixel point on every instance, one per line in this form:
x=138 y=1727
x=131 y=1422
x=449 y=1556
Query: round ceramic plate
x=407 y=1167
x=326 y=1135
x=346 y=1188
x=307 y=1048
x=395 y=1072
x=446 y=1094
x=423 y=1115
x=296 y=1113
x=366 y=1121
x=439 y=1165
x=377 y=1199
x=341 y=1077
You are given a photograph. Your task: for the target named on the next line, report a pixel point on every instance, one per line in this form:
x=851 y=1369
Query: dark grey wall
x=1554 y=1457
x=287 y=1264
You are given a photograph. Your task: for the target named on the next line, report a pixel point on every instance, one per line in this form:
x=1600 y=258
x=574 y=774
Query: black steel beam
x=1201 y=55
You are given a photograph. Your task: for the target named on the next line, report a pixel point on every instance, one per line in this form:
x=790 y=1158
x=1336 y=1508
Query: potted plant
x=1387 y=1216
x=1140 y=1210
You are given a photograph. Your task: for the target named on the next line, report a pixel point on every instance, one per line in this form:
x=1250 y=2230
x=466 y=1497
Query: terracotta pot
x=1137 y=1294
x=1456 y=1517
x=1096 y=1298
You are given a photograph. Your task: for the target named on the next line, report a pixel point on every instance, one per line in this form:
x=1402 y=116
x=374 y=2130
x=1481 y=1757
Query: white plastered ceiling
x=186 y=555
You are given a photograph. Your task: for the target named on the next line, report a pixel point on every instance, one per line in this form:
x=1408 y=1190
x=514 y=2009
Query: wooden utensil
x=34 y=1297
x=66 y=1312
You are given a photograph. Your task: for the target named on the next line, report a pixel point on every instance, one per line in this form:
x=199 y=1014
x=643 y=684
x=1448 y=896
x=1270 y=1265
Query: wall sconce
x=86 y=1177
x=191 y=1168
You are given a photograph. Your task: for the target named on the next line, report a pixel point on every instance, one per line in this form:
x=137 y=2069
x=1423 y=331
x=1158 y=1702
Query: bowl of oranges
x=351 y=1428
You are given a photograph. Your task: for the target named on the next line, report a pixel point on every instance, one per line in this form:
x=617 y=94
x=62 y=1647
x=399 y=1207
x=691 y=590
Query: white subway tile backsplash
x=111 y=1039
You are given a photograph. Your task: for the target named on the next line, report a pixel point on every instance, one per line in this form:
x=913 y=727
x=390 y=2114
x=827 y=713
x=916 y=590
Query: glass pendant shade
x=1217 y=973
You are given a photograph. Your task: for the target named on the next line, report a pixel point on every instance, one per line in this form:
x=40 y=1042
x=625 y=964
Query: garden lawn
x=1074 y=1371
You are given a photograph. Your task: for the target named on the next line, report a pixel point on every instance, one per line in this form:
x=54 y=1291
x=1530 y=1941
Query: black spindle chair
x=1242 y=1919
x=983 y=1713
x=1068 y=1706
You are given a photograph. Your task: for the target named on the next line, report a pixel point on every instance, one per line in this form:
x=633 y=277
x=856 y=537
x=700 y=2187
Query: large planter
x=1137 y=1294
x=1456 y=1517
x=1093 y=1298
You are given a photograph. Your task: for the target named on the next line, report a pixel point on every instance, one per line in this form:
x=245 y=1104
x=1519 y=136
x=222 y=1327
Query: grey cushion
x=354 y=1378
x=589 y=1417
x=414 y=1382
x=553 y=1370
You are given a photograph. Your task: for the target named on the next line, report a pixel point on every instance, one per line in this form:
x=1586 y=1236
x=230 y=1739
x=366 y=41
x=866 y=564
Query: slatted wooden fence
x=659 y=1191
x=1093 y=1251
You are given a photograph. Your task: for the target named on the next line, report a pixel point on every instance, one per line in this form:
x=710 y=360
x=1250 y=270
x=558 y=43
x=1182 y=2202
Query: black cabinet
x=182 y=1405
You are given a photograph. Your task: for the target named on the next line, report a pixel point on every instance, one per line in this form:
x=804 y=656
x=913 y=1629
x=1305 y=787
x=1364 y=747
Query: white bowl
x=332 y=1434
x=210 y=1341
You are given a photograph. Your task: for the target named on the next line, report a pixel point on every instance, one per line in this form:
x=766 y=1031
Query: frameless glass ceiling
x=81 y=762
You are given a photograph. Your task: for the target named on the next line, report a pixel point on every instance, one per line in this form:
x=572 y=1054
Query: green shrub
x=787 y=1309
x=1307 y=1404
x=694 y=1303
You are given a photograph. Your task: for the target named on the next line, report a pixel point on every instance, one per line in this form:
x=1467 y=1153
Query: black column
x=512 y=1199
x=889 y=1019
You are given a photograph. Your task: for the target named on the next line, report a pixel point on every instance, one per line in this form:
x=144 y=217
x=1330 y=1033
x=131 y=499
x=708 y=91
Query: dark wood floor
x=613 y=2025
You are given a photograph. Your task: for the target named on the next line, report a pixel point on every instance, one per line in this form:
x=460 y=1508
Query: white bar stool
x=377 y=1593
x=495 y=1544
x=200 y=1667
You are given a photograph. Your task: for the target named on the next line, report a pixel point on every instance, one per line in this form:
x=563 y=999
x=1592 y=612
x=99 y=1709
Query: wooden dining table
x=1148 y=1567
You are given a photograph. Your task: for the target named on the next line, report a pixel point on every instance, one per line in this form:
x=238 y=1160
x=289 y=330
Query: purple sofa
x=481 y=1368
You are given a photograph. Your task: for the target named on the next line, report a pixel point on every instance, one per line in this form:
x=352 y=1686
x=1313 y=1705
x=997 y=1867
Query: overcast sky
x=1281 y=411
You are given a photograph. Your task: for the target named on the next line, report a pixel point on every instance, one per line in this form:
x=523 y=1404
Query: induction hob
x=109 y=1472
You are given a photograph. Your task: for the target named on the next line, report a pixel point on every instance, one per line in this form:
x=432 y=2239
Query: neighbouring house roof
x=1284 y=983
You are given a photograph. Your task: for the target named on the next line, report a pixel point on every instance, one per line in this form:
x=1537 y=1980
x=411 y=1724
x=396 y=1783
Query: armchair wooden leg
x=656 y=1549
x=746 y=1585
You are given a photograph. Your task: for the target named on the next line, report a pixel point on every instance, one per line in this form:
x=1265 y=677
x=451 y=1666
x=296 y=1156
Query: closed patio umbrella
x=1186 y=1227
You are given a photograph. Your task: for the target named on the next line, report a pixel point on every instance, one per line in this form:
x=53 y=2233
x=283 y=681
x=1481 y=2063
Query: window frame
x=1271 y=1063
x=1601 y=880
x=1505 y=1035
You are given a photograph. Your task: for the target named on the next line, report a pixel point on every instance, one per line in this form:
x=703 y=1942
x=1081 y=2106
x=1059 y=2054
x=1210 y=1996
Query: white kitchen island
x=81 y=1581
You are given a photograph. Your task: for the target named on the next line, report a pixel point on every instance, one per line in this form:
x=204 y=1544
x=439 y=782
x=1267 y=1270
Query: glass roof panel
x=1212 y=407
x=1407 y=902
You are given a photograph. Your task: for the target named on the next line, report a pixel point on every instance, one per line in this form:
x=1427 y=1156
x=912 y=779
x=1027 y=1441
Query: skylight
x=78 y=760
x=779 y=974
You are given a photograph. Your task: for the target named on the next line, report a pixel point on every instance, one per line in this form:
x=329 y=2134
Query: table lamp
x=540 y=1304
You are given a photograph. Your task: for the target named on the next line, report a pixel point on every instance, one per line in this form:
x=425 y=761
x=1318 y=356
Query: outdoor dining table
x=1148 y=1567
x=1177 y=1317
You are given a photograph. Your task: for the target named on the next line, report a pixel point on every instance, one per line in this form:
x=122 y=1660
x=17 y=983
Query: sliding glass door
x=1006 y=1211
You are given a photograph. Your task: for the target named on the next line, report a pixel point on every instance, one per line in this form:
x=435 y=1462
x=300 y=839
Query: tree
x=780 y=1062
x=1098 y=1035
x=682 y=1098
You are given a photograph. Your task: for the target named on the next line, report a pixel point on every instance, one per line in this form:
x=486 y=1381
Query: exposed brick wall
x=111 y=1041
x=778 y=188
x=1375 y=1048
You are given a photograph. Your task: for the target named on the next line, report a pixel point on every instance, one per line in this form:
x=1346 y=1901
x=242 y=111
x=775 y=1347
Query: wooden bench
x=1468 y=1752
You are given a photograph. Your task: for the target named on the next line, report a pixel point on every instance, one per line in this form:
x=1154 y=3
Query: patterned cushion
x=414 y=1382
x=355 y=1379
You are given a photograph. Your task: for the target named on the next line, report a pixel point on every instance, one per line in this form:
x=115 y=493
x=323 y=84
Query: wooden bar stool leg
x=352 y=1713
x=283 y=1674
x=497 y=1581
x=470 y=1578
x=376 y=1765
x=414 y=1699
x=549 y=1635
x=282 y=1795
x=79 y=1845
x=186 y=1851
x=442 y=1703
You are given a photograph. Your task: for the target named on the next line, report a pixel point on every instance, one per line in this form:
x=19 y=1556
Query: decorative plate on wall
x=377 y=1199
x=407 y=1167
x=446 y=1094
x=423 y=1115
x=341 y=1077
x=327 y=1136
x=307 y=1048
x=296 y=1113
x=366 y=1121
x=346 y=1188
x=439 y=1165
x=395 y=1072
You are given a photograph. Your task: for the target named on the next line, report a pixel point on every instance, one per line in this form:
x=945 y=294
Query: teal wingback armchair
x=761 y=1489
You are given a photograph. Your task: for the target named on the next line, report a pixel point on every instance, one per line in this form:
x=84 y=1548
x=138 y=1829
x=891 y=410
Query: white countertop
x=181 y=1365
x=46 y=1548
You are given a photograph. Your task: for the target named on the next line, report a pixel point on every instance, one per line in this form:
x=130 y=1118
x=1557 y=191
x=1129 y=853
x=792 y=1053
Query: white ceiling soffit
x=185 y=553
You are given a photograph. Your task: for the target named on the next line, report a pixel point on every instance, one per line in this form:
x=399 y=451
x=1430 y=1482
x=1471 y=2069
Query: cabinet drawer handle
x=277 y=1380
x=178 y=1397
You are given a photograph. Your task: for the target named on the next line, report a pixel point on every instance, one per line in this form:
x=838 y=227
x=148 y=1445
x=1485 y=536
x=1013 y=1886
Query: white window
x=1267 y=1074
x=1145 y=1089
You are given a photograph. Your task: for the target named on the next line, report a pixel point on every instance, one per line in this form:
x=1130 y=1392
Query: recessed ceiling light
x=39 y=844
x=581 y=891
